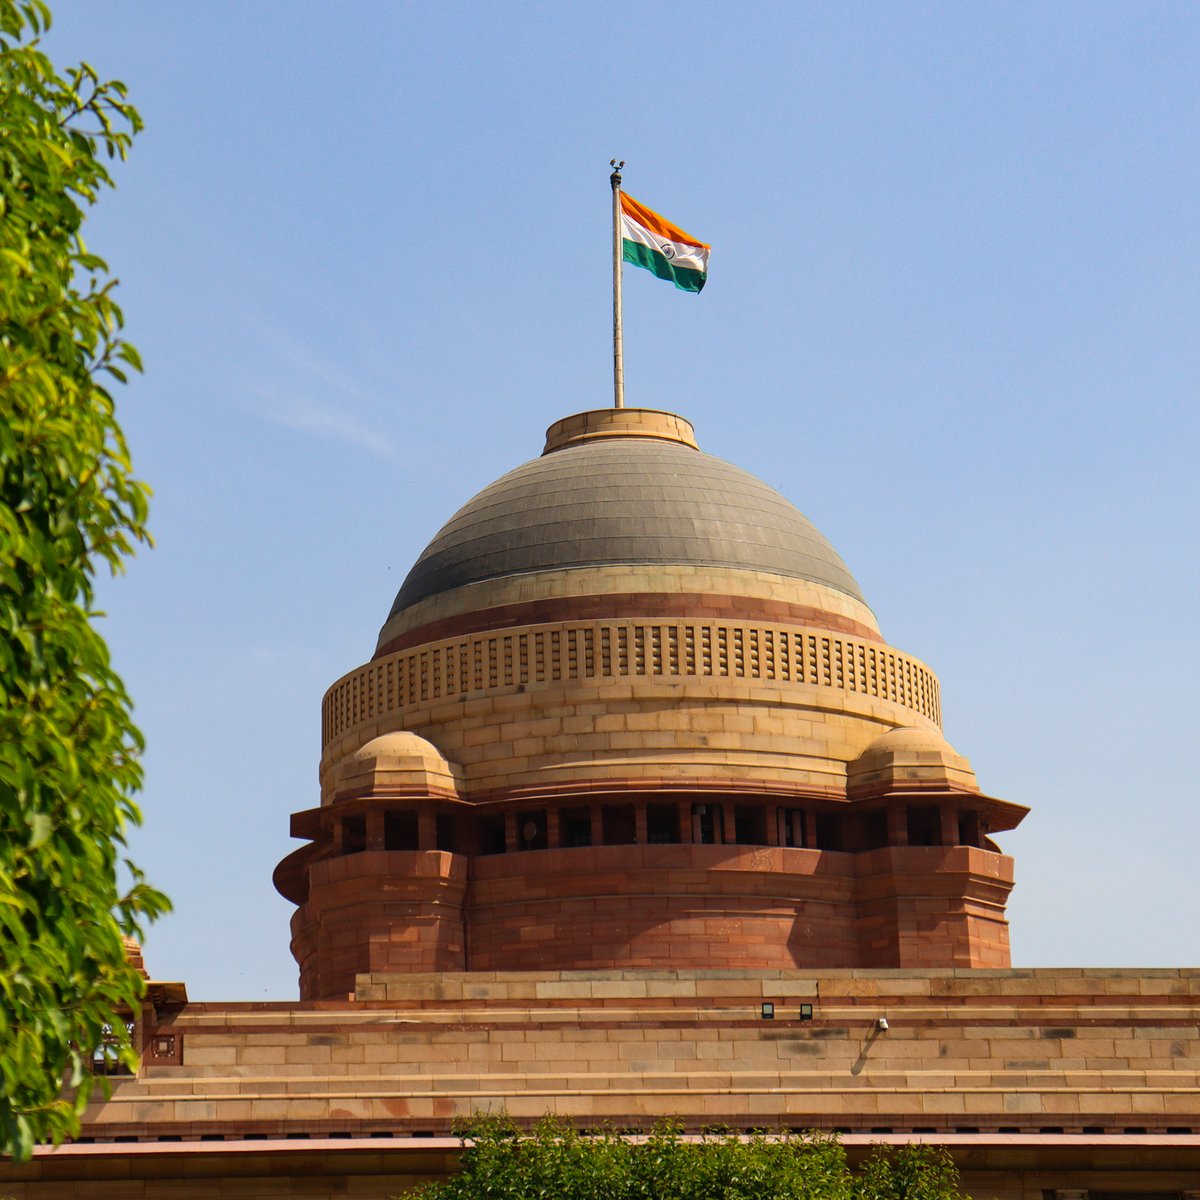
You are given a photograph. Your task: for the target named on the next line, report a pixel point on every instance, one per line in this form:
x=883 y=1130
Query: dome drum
x=511 y=707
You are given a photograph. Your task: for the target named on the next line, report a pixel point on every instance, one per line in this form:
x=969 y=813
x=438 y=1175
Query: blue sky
x=952 y=314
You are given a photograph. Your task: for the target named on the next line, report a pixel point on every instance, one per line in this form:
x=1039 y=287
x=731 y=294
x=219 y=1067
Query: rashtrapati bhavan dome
x=630 y=709
x=635 y=815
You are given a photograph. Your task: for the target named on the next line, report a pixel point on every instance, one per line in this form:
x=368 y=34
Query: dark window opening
x=531 y=830
x=968 y=829
x=490 y=835
x=620 y=825
x=749 y=825
x=447 y=832
x=874 y=830
x=662 y=824
x=830 y=835
x=575 y=827
x=400 y=831
x=924 y=827
x=354 y=834
x=706 y=823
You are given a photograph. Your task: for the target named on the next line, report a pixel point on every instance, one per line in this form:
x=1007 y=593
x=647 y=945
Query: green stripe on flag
x=685 y=278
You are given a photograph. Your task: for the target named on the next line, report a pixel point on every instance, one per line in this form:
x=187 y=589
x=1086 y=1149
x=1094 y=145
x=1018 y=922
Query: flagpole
x=618 y=341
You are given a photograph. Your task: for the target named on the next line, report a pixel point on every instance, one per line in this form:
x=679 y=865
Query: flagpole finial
x=615 y=177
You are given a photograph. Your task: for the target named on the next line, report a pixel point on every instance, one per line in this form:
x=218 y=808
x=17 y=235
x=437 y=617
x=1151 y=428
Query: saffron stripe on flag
x=656 y=223
x=650 y=241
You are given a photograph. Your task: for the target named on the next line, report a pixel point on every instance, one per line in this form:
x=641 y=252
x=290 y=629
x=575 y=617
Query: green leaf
x=69 y=505
x=40 y=829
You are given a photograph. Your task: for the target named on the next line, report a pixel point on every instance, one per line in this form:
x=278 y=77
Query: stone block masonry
x=1036 y=1079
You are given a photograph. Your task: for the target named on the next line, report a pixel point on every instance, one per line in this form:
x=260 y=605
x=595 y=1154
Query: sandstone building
x=630 y=709
x=635 y=813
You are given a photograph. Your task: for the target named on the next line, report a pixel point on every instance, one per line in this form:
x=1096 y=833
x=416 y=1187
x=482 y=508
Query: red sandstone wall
x=379 y=911
x=643 y=906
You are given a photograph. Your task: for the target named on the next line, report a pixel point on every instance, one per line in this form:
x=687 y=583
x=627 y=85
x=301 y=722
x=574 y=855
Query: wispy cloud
x=343 y=412
x=329 y=422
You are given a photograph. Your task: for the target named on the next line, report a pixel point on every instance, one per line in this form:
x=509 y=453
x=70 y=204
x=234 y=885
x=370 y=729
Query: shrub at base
x=555 y=1160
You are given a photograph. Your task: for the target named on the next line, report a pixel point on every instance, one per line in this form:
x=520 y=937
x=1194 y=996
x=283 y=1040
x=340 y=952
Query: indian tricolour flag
x=652 y=242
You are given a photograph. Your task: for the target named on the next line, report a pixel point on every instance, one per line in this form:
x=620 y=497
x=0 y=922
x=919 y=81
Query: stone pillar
x=949 y=815
x=596 y=814
x=426 y=829
x=511 y=845
x=553 y=833
x=729 y=825
x=810 y=829
x=897 y=825
x=774 y=816
x=687 y=826
x=639 y=823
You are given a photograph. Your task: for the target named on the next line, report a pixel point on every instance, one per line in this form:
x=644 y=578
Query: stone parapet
x=432 y=689
x=986 y=1051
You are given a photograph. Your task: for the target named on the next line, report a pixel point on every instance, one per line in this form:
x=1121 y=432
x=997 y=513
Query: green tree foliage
x=68 y=507
x=556 y=1162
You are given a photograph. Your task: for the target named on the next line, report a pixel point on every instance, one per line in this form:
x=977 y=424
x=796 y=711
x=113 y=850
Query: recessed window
x=620 y=825
x=830 y=833
x=400 y=831
x=924 y=826
x=490 y=835
x=447 y=832
x=874 y=830
x=575 y=827
x=662 y=824
x=354 y=834
x=749 y=825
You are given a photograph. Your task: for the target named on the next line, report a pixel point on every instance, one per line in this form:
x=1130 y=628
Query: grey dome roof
x=623 y=501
